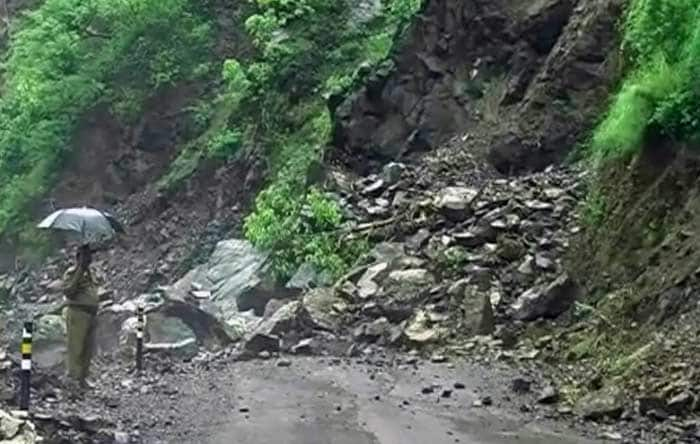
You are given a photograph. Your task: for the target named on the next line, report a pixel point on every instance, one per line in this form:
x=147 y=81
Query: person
x=82 y=302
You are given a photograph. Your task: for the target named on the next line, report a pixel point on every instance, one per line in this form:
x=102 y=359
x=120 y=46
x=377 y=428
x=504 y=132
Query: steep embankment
x=638 y=257
x=235 y=90
x=524 y=80
x=96 y=103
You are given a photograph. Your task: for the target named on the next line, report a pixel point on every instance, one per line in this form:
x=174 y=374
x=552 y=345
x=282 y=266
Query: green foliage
x=594 y=208
x=236 y=83
x=454 y=258
x=224 y=143
x=69 y=55
x=300 y=230
x=303 y=59
x=403 y=10
x=293 y=37
x=64 y=58
x=661 y=45
x=296 y=224
x=200 y=116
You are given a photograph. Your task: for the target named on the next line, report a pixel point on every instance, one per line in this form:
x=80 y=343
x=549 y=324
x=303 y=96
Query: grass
x=593 y=208
x=605 y=347
x=661 y=49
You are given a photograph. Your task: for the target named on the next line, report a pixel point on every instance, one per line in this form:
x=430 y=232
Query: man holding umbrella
x=80 y=290
x=79 y=286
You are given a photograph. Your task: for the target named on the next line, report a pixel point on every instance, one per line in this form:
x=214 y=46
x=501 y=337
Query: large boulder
x=208 y=330
x=164 y=329
x=288 y=321
x=235 y=269
x=548 y=302
x=319 y=309
x=288 y=318
x=605 y=403
x=379 y=330
x=168 y=323
x=260 y=342
x=407 y=286
x=14 y=430
x=324 y=308
x=234 y=266
x=411 y=277
x=390 y=252
x=307 y=276
x=478 y=317
x=256 y=298
x=367 y=285
x=456 y=202
x=234 y=281
x=421 y=330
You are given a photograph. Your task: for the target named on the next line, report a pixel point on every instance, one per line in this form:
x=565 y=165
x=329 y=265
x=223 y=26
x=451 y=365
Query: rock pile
x=458 y=255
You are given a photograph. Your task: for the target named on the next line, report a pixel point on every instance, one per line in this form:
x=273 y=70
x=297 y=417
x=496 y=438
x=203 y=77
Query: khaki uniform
x=80 y=290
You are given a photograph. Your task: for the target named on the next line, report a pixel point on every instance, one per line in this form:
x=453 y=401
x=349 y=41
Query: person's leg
x=89 y=345
x=77 y=325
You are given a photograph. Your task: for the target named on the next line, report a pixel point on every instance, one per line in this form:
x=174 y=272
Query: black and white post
x=140 y=326
x=26 y=366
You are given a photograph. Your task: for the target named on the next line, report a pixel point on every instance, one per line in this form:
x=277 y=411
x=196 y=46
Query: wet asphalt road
x=314 y=401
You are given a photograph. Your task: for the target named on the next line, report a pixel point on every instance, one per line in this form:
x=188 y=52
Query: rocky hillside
x=401 y=184
x=524 y=81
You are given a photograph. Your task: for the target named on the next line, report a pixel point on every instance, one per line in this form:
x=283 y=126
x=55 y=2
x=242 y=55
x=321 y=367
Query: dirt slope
x=639 y=262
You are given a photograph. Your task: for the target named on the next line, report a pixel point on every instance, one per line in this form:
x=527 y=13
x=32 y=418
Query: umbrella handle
x=82 y=231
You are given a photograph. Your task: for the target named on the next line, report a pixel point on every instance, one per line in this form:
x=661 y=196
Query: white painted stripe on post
x=139 y=334
x=26 y=334
x=26 y=364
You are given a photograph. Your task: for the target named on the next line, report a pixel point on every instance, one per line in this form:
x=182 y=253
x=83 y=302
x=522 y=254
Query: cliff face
x=525 y=78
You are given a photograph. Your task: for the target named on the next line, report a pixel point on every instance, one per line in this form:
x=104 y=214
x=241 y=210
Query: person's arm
x=71 y=282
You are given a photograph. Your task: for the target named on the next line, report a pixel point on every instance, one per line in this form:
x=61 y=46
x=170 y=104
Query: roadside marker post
x=140 y=326
x=26 y=366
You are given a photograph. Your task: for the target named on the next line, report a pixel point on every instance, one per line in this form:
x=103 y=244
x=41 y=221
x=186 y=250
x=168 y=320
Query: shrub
x=300 y=230
x=661 y=46
x=302 y=61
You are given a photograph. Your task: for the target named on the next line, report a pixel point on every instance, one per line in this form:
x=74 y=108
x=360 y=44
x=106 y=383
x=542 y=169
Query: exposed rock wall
x=554 y=61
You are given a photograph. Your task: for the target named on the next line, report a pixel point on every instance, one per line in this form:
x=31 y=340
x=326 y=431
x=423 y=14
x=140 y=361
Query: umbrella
x=91 y=224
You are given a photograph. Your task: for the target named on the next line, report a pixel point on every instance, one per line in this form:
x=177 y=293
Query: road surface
x=326 y=401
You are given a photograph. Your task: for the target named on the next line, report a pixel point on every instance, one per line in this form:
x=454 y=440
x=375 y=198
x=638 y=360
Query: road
x=322 y=401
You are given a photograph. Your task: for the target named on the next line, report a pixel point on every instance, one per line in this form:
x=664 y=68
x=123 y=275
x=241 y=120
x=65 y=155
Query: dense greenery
x=661 y=49
x=68 y=55
x=278 y=101
x=304 y=60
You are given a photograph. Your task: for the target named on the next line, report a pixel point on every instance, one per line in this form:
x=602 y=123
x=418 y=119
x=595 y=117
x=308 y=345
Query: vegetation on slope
x=68 y=55
x=278 y=101
x=661 y=49
x=637 y=256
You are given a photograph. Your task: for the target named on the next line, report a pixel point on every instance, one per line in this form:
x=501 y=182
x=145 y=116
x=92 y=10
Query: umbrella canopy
x=92 y=225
